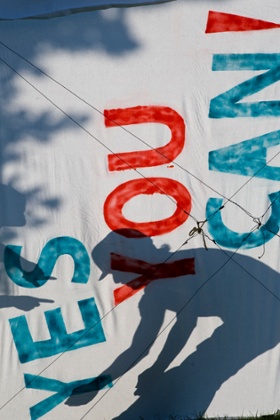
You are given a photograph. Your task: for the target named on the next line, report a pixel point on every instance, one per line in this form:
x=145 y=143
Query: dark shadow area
x=45 y=11
x=92 y=31
x=243 y=292
x=24 y=303
x=12 y=207
x=22 y=43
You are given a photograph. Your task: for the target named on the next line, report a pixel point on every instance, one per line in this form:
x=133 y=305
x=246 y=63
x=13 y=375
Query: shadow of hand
x=24 y=303
x=146 y=381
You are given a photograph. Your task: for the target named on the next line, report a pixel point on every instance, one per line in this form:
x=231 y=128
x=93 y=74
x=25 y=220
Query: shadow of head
x=80 y=30
x=126 y=242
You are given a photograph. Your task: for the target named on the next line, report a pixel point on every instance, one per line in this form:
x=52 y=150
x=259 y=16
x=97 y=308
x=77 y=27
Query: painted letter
x=49 y=255
x=60 y=341
x=149 y=272
x=230 y=239
x=142 y=115
x=226 y=104
x=116 y=200
x=62 y=390
x=247 y=158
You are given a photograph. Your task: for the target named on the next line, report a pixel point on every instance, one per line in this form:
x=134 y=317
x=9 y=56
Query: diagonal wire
x=106 y=117
x=230 y=257
x=97 y=139
x=83 y=128
x=178 y=313
x=81 y=336
x=271 y=204
x=137 y=137
x=128 y=131
x=247 y=182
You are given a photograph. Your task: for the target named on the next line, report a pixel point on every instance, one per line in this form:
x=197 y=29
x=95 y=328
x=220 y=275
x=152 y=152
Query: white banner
x=140 y=212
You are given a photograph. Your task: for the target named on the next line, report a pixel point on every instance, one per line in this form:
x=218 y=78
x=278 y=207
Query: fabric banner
x=140 y=212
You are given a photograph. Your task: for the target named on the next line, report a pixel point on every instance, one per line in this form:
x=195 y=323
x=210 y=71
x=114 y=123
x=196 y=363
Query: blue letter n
x=227 y=104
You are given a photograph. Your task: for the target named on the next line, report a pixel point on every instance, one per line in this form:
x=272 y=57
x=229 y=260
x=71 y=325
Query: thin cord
x=271 y=204
x=132 y=134
x=255 y=174
x=128 y=131
x=110 y=311
x=178 y=314
x=242 y=186
x=99 y=141
x=261 y=218
x=108 y=118
x=81 y=336
x=153 y=341
x=95 y=138
x=123 y=160
x=249 y=273
x=231 y=257
x=141 y=140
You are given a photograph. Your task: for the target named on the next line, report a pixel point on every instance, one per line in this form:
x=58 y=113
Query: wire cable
x=97 y=139
x=80 y=337
x=137 y=137
x=230 y=257
x=100 y=142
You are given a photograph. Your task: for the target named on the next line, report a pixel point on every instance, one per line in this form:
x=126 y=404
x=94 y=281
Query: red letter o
x=116 y=200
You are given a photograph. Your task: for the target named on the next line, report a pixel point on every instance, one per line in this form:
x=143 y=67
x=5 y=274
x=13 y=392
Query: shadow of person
x=131 y=255
x=25 y=303
x=236 y=288
x=245 y=295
